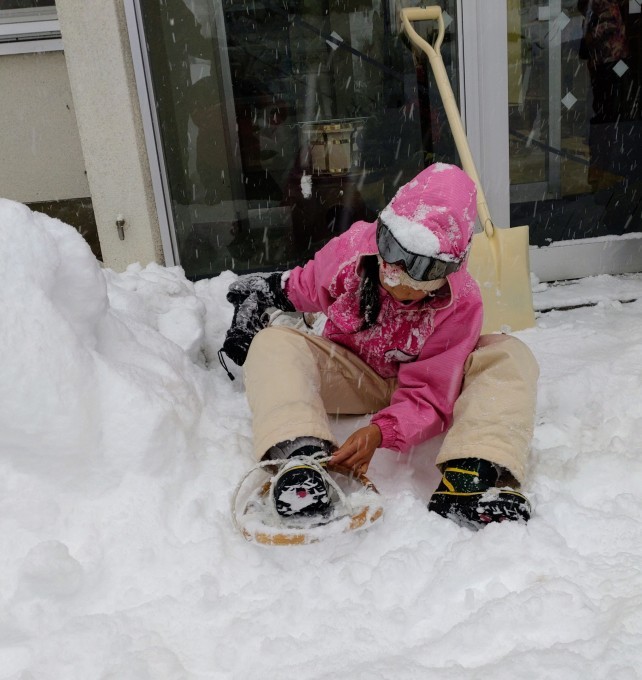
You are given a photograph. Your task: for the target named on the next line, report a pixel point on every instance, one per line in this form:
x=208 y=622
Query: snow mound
x=122 y=440
x=94 y=374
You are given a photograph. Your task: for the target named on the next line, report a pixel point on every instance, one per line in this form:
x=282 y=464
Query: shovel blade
x=500 y=265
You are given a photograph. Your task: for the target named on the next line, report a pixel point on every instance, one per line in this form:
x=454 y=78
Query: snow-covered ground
x=121 y=442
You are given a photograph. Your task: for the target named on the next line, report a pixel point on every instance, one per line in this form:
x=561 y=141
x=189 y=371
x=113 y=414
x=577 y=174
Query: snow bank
x=121 y=441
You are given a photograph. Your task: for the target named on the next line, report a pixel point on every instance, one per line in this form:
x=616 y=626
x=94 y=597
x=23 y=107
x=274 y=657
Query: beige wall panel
x=101 y=74
x=40 y=153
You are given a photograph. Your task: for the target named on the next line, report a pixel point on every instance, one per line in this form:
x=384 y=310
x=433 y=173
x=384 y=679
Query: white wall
x=101 y=75
x=40 y=153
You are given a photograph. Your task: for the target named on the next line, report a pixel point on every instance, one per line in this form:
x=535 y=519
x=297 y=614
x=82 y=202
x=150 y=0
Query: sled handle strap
x=433 y=53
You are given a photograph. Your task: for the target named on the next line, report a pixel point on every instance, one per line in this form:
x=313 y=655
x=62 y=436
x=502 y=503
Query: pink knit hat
x=434 y=214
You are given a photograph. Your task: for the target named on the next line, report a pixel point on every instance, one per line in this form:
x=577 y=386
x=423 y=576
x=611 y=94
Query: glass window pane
x=79 y=213
x=575 y=118
x=26 y=10
x=283 y=122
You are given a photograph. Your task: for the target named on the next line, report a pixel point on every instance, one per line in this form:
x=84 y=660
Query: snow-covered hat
x=434 y=214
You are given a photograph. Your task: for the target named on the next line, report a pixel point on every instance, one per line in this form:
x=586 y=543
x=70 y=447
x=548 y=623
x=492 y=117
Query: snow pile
x=121 y=442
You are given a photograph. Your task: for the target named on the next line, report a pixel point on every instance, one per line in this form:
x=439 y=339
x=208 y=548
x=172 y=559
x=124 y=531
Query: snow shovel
x=498 y=258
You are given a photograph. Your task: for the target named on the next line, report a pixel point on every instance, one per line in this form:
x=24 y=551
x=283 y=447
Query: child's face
x=404 y=293
x=389 y=277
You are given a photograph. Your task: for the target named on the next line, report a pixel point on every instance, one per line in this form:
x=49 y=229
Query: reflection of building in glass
x=283 y=123
x=25 y=4
x=176 y=39
x=575 y=127
x=615 y=88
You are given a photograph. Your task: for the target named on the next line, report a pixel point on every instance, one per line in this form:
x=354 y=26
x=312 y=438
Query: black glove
x=247 y=322
x=251 y=296
x=267 y=287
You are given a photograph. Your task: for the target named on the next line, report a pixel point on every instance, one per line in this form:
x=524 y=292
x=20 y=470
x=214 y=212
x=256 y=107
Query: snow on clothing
x=423 y=344
x=434 y=214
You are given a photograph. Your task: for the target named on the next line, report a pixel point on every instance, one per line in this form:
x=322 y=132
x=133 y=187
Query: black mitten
x=247 y=322
x=267 y=287
x=251 y=296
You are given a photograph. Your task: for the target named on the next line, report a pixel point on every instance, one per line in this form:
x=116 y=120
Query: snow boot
x=300 y=488
x=468 y=494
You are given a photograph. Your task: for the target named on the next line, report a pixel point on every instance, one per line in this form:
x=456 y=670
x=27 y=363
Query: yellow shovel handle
x=433 y=52
x=411 y=14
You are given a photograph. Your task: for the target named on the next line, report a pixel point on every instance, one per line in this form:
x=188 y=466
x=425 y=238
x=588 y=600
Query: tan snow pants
x=294 y=380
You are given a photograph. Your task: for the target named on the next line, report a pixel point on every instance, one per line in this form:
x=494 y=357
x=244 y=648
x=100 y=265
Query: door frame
x=484 y=98
x=151 y=131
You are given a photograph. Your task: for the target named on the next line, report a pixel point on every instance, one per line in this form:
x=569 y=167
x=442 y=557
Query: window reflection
x=28 y=5
x=282 y=123
x=575 y=118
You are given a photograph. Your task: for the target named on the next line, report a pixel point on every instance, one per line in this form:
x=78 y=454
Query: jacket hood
x=434 y=214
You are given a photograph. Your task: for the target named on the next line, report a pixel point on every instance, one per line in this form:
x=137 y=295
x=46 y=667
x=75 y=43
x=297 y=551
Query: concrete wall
x=40 y=153
x=102 y=82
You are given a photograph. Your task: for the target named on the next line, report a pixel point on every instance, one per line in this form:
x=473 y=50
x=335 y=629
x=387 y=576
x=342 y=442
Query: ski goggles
x=418 y=267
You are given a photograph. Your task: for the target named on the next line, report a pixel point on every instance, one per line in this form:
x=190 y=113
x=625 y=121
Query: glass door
x=279 y=123
x=575 y=132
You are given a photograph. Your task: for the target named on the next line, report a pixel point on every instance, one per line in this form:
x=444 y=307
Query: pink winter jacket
x=423 y=344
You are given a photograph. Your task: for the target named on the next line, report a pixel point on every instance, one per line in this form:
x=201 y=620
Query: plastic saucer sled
x=356 y=504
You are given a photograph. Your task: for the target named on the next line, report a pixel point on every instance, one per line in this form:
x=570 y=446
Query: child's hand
x=357 y=450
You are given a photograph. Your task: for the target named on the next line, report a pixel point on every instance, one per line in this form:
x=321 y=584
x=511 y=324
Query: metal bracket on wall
x=120 y=226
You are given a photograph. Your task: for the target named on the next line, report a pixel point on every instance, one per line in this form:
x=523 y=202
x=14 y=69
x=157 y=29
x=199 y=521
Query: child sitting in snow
x=401 y=341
